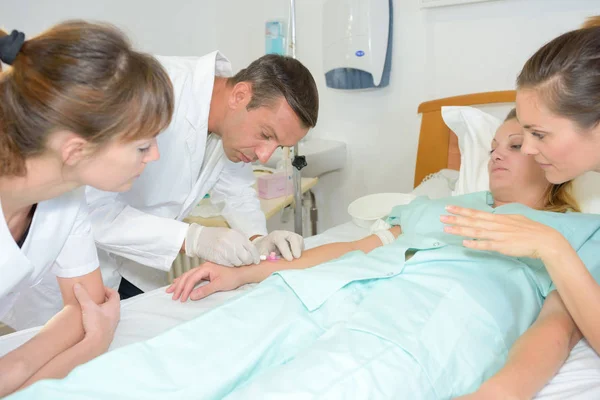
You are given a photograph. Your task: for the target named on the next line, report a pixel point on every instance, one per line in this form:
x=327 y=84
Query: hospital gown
x=363 y=326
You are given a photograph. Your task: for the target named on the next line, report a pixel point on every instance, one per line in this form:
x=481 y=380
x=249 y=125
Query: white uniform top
x=143 y=227
x=59 y=244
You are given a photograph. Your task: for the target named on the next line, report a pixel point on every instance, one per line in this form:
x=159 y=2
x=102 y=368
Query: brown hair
x=273 y=76
x=567 y=73
x=558 y=197
x=83 y=78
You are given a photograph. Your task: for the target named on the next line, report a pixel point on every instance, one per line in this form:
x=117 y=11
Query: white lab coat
x=143 y=227
x=59 y=244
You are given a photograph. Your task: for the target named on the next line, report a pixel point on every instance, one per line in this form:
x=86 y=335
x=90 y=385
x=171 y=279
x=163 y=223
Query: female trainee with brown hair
x=77 y=107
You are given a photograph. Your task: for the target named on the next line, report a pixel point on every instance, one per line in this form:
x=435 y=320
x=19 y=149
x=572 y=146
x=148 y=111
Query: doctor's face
x=556 y=143
x=115 y=166
x=254 y=135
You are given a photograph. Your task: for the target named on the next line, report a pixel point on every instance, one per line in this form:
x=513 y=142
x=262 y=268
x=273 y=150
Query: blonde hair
x=591 y=22
x=559 y=197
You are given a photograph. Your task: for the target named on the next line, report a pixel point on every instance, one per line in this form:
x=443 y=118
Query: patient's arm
x=225 y=278
x=535 y=357
x=312 y=257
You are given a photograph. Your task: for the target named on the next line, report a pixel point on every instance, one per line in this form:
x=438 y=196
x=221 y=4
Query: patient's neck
x=533 y=199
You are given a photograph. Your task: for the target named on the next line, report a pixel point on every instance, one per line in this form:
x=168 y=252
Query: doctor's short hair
x=83 y=78
x=566 y=72
x=273 y=76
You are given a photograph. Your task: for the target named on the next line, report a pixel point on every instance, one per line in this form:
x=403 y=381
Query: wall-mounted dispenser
x=357 y=43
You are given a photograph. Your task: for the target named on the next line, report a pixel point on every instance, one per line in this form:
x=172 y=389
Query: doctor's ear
x=240 y=96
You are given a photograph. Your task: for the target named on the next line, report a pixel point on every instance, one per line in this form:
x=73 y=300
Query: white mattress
x=152 y=313
x=149 y=314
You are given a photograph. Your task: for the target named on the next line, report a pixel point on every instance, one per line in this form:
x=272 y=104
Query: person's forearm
x=578 y=290
x=533 y=361
x=55 y=337
x=537 y=355
x=62 y=364
x=312 y=257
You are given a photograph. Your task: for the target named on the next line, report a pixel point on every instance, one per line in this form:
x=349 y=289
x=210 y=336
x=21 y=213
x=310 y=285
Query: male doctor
x=220 y=124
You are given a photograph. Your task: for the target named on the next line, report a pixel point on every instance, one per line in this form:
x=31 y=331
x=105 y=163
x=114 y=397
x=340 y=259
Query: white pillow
x=586 y=189
x=475 y=130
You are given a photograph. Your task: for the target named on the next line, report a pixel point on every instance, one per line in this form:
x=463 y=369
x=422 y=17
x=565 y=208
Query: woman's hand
x=99 y=320
x=512 y=235
x=221 y=279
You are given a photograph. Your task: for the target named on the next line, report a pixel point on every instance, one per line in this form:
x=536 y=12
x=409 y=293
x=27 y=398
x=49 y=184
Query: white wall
x=437 y=52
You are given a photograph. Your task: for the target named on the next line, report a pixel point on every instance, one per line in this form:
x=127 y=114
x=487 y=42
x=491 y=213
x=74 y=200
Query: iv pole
x=298 y=162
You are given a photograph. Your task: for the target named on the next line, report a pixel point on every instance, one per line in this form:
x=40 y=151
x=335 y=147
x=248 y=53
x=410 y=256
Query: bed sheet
x=152 y=313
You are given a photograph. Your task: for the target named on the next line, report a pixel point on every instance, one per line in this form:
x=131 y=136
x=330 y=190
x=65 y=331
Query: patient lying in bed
x=366 y=322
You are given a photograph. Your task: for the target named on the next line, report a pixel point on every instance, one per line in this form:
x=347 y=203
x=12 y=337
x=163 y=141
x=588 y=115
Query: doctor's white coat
x=143 y=227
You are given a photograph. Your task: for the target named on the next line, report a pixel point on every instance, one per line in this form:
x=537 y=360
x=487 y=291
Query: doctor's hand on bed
x=512 y=235
x=99 y=320
x=221 y=279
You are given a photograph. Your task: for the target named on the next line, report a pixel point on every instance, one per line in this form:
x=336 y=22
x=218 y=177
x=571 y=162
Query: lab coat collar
x=208 y=67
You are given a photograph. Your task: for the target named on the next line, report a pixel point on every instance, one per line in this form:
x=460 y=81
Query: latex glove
x=222 y=246
x=99 y=320
x=287 y=244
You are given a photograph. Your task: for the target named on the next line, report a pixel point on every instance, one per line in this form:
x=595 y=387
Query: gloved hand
x=287 y=244
x=222 y=246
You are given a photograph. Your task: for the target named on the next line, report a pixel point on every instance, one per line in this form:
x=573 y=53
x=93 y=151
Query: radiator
x=181 y=265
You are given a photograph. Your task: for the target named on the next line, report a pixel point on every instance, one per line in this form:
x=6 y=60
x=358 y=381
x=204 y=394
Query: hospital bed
x=152 y=313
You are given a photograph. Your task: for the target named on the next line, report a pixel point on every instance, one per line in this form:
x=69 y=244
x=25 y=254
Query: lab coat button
x=436 y=244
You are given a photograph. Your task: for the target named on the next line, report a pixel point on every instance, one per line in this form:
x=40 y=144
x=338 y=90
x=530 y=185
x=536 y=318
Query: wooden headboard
x=438 y=145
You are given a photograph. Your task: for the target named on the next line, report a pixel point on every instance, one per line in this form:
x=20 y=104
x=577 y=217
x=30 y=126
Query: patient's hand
x=221 y=279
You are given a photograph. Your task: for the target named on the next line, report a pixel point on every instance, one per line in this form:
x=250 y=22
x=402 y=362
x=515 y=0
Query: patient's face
x=513 y=173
